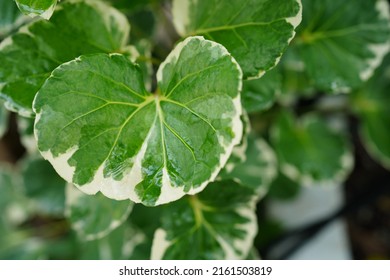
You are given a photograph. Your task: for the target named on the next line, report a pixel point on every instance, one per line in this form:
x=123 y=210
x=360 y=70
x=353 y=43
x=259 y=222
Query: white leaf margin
x=125 y=189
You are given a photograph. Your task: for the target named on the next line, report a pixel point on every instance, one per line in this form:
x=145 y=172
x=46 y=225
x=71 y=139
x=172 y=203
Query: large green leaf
x=342 y=42
x=42 y=8
x=256 y=32
x=372 y=105
x=103 y=131
x=309 y=152
x=94 y=217
x=218 y=223
x=28 y=57
x=259 y=168
x=43 y=186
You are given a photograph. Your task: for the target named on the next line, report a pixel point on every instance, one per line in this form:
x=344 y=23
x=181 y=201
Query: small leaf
x=94 y=217
x=259 y=95
x=28 y=57
x=102 y=131
x=342 y=42
x=218 y=223
x=43 y=185
x=42 y=8
x=256 y=32
x=371 y=103
x=259 y=168
x=309 y=152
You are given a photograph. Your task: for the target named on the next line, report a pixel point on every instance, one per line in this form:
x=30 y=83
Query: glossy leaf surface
x=103 y=131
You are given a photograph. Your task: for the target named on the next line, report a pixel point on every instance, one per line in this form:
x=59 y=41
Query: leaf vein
x=192 y=112
x=174 y=132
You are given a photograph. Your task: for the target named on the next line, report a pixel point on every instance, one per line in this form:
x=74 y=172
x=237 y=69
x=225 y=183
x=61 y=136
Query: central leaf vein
x=142 y=105
x=161 y=118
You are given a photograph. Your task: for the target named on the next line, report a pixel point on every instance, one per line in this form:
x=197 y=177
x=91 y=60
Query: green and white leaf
x=259 y=95
x=371 y=103
x=29 y=56
x=101 y=130
x=42 y=8
x=309 y=151
x=3 y=119
x=43 y=186
x=256 y=32
x=259 y=168
x=342 y=42
x=218 y=223
x=94 y=216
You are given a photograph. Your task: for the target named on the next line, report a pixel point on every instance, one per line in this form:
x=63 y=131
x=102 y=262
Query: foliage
x=134 y=115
